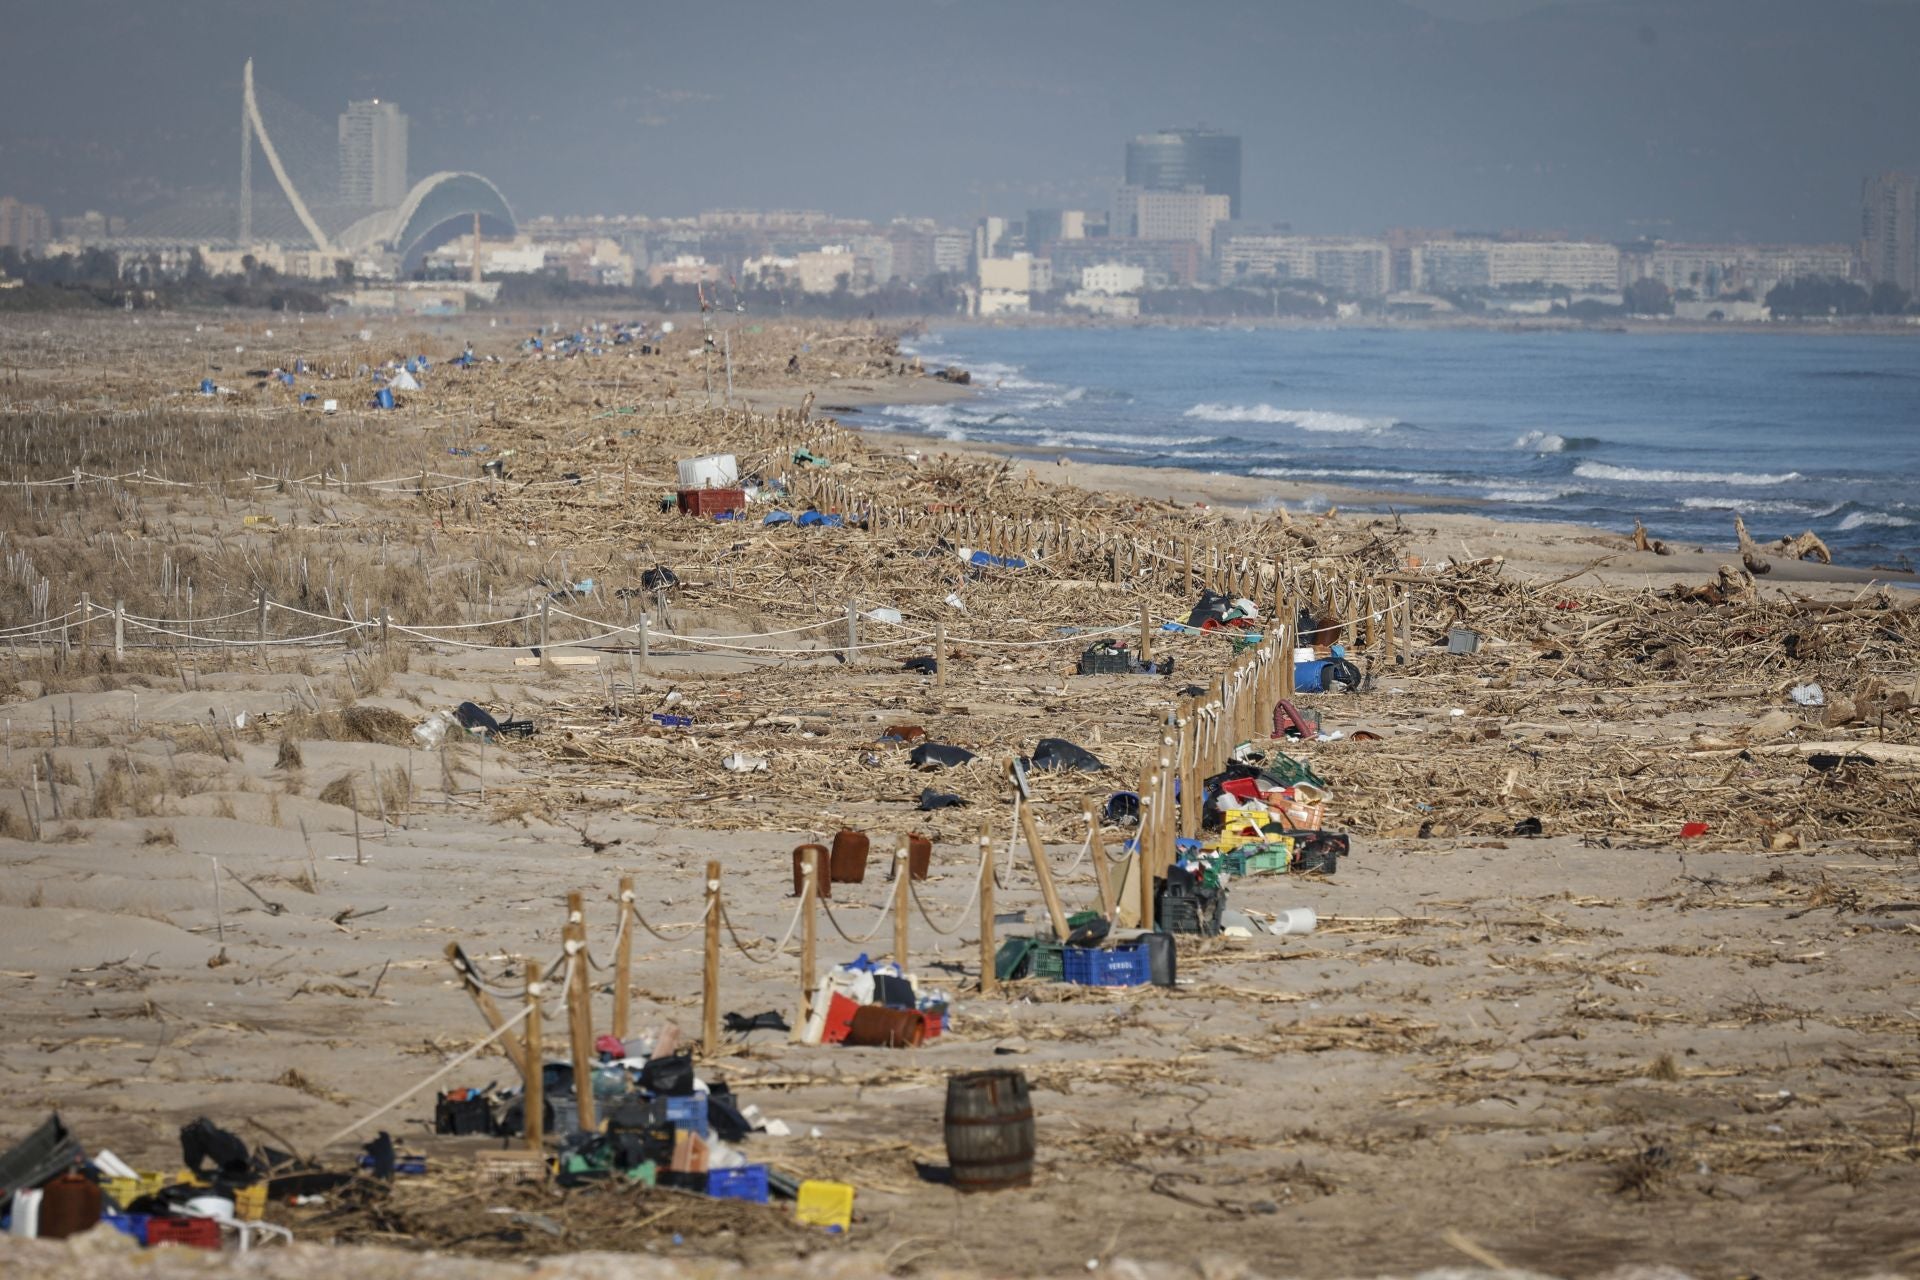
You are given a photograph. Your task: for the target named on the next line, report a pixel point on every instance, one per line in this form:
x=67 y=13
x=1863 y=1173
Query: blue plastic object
x=689 y=1113
x=777 y=517
x=1120 y=967
x=823 y=519
x=132 y=1224
x=383 y=398
x=985 y=561
x=206 y=386
x=1311 y=677
x=746 y=1183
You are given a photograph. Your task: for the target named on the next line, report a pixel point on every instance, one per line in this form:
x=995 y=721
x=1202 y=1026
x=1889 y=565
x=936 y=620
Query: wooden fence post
x=809 y=971
x=623 y=962
x=902 y=887
x=543 y=625
x=940 y=655
x=1102 y=878
x=710 y=977
x=989 y=981
x=120 y=629
x=533 y=1102
x=580 y=1010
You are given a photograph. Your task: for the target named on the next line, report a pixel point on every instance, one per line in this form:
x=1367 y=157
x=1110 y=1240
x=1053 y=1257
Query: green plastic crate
x=1267 y=859
x=1284 y=770
x=1047 y=961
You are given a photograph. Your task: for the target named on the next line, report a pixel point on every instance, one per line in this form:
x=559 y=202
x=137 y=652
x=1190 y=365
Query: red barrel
x=849 y=862
x=822 y=880
x=919 y=858
x=989 y=1131
x=70 y=1205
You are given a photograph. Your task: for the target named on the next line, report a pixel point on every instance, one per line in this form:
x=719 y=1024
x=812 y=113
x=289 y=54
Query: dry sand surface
x=1599 y=1051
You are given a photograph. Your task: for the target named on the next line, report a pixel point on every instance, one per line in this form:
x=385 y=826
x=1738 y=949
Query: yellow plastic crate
x=824 y=1204
x=123 y=1191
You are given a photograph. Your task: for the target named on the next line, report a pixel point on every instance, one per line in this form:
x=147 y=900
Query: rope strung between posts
x=827 y=906
x=618 y=937
x=982 y=871
x=401 y=1097
x=685 y=929
x=726 y=918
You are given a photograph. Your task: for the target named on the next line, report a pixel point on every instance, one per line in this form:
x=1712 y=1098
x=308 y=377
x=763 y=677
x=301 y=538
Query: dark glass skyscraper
x=1176 y=159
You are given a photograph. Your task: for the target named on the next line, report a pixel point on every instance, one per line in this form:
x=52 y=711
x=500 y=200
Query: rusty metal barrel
x=989 y=1131
x=849 y=857
x=816 y=856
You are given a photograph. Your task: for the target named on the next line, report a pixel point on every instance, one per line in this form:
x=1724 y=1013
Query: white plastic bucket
x=715 y=471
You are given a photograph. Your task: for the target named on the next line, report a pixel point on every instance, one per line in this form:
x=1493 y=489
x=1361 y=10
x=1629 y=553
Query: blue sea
x=1794 y=431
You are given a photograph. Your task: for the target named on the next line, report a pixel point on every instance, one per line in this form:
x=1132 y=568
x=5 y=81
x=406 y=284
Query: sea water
x=1792 y=430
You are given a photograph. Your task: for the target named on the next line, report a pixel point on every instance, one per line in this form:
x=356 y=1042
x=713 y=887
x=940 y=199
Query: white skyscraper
x=373 y=155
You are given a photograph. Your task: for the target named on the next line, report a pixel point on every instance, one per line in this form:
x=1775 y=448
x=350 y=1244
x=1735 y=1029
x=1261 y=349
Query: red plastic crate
x=840 y=1011
x=711 y=502
x=933 y=1021
x=200 y=1233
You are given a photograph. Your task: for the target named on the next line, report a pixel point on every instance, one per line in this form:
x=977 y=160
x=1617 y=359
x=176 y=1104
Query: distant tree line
x=95 y=278
x=1811 y=296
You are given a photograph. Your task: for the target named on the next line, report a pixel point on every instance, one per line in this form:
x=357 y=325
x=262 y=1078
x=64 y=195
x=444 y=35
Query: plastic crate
x=1047 y=961
x=250 y=1203
x=1187 y=913
x=1120 y=967
x=198 y=1233
x=710 y=502
x=689 y=1113
x=1284 y=770
x=1098 y=661
x=746 y=1183
x=824 y=1204
x=1273 y=856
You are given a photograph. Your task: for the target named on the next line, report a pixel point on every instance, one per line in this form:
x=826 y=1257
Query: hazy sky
x=1684 y=118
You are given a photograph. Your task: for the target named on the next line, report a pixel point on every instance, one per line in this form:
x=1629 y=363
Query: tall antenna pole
x=246 y=165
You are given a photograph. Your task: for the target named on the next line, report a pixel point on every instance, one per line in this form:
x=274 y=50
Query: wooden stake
x=940 y=655
x=470 y=979
x=902 y=887
x=1146 y=634
x=1042 y=870
x=533 y=1101
x=810 y=875
x=1142 y=842
x=1098 y=852
x=623 y=962
x=710 y=976
x=989 y=981
x=580 y=1011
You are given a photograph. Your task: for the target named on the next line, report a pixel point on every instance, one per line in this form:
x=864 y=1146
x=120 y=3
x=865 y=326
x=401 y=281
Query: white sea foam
x=1523 y=495
x=1755 y=506
x=1875 y=519
x=1607 y=471
x=1541 y=442
x=1320 y=420
x=1345 y=473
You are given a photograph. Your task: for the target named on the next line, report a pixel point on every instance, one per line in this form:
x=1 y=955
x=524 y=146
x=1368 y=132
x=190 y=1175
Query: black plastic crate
x=1190 y=911
x=1103 y=661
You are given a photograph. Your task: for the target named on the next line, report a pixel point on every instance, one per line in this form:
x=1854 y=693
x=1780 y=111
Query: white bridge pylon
x=320 y=240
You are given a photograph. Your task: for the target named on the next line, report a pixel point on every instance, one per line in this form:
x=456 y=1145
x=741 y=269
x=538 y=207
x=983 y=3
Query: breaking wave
x=1875 y=519
x=1319 y=420
x=1607 y=471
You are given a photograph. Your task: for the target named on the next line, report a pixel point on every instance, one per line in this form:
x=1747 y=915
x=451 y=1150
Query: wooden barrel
x=883 y=1028
x=849 y=857
x=989 y=1131
x=817 y=855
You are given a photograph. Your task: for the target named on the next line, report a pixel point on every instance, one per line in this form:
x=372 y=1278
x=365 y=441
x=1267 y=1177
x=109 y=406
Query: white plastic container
x=1304 y=655
x=714 y=471
x=1295 y=921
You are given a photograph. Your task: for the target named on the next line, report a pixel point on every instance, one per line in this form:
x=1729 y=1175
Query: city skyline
x=1610 y=119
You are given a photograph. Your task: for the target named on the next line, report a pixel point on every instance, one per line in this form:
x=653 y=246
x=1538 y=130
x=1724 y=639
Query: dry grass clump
x=289 y=758
x=340 y=791
x=350 y=724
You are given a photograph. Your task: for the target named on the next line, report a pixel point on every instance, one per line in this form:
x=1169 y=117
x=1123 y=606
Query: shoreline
x=1459 y=526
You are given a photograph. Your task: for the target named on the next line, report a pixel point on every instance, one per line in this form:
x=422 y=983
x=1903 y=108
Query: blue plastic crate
x=746 y=1183
x=689 y=1113
x=1120 y=967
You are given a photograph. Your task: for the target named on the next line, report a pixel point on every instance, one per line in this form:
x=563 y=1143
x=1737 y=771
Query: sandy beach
x=1543 y=1024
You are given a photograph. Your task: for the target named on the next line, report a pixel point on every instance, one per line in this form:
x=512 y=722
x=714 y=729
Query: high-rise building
x=1181 y=159
x=23 y=226
x=1169 y=215
x=1890 y=229
x=373 y=155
